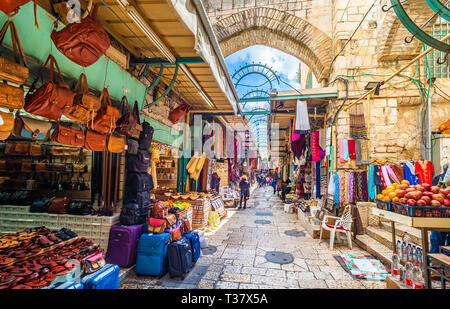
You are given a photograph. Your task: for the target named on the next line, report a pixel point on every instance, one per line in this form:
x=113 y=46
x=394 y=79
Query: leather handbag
x=175 y=235
x=138 y=127
x=59 y=205
x=171 y=219
x=156 y=226
x=40 y=167
x=52 y=98
x=107 y=116
x=13 y=71
x=82 y=208
x=17 y=149
x=178 y=113
x=186 y=226
x=3 y=166
x=40 y=205
x=92 y=263
x=35 y=150
x=127 y=123
x=146 y=136
x=27 y=166
x=159 y=210
x=7 y=126
x=84 y=42
x=95 y=141
x=116 y=144
x=66 y=151
x=85 y=105
x=11 y=97
x=67 y=135
x=11 y=7
x=132 y=146
x=31 y=129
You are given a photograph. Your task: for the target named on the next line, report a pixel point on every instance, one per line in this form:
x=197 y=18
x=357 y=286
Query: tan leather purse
x=7 y=126
x=65 y=151
x=116 y=144
x=85 y=105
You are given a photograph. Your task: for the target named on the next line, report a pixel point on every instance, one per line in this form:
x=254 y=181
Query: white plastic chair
x=342 y=225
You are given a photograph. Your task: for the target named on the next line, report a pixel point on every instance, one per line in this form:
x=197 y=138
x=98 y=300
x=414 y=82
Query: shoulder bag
x=156 y=226
x=125 y=125
x=7 y=126
x=146 y=136
x=84 y=42
x=11 y=7
x=106 y=118
x=65 y=151
x=67 y=135
x=178 y=113
x=85 y=105
x=58 y=205
x=116 y=144
x=95 y=141
x=35 y=150
x=52 y=98
x=31 y=129
x=17 y=149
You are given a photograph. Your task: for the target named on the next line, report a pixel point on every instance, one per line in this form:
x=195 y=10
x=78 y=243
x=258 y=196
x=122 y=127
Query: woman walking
x=245 y=191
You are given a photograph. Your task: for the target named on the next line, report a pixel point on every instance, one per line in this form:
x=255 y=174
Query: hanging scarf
x=341 y=152
x=328 y=141
x=392 y=174
x=351 y=149
x=322 y=139
x=315 y=146
x=318 y=179
x=346 y=187
x=385 y=177
x=341 y=188
x=357 y=121
x=371 y=182
x=331 y=186
x=358 y=152
x=410 y=173
x=336 y=189
x=398 y=171
x=330 y=168
x=346 y=156
x=350 y=187
x=365 y=191
x=301 y=118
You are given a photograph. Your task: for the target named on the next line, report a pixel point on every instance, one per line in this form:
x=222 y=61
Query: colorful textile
x=410 y=173
x=346 y=186
x=322 y=139
x=425 y=171
x=363 y=267
x=385 y=177
x=351 y=149
x=315 y=146
x=330 y=168
x=318 y=179
x=365 y=191
x=371 y=182
x=301 y=118
x=357 y=121
x=346 y=154
x=331 y=185
x=350 y=187
x=398 y=171
x=336 y=189
x=341 y=188
x=392 y=175
x=341 y=152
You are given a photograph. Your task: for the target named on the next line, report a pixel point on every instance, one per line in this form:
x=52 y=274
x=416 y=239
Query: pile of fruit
x=418 y=195
x=179 y=204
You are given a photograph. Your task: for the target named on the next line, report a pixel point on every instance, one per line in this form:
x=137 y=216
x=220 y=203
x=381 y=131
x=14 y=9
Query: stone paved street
x=240 y=262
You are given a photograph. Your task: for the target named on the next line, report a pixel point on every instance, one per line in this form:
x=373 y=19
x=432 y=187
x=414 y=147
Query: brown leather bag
x=84 y=42
x=95 y=141
x=107 y=116
x=127 y=123
x=11 y=71
x=27 y=166
x=17 y=149
x=67 y=135
x=186 y=226
x=32 y=129
x=51 y=99
x=85 y=105
x=175 y=235
x=35 y=150
x=11 y=97
x=7 y=126
x=11 y=7
x=66 y=151
x=116 y=144
x=178 y=113
x=40 y=167
x=58 y=205
x=171 y=220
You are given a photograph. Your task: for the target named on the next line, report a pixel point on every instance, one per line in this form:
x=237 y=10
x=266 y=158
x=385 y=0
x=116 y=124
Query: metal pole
x=429 y=150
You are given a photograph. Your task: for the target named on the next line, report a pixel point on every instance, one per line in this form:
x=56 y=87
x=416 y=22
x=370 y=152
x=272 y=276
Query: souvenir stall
x=164 y=165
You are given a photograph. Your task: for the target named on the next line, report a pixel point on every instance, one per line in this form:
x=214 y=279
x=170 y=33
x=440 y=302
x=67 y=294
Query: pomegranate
x=435 y=203
x=438 y=197
x=403 y=200
x=428 y=193
x=445 y=191
x=412 y=202
x=401 y=193
x=416 y=195
x=411 y=189
x=404 y=186
x=435 y=189
x=421 y=203
x=421 y=189
x=427 y=199
x=427 y=186
x=447 y=202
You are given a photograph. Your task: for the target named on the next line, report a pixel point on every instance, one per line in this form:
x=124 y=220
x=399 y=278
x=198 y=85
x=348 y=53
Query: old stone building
x=357 y=41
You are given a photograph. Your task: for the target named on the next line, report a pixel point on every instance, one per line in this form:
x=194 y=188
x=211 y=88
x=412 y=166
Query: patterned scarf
x=347 y=191
x=350 y=187
x=341 y=189
x=357 y=121
x=336 y=189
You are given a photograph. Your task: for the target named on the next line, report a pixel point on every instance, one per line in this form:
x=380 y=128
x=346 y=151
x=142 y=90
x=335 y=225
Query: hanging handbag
x=12 y=71
x=83 y=42
x=17 y=149
x=7 y=126
x=156 y=226
x=185 y=226
x=107 y=116
x=133 y=146
x=27 y=166
x=126 y=124
x=65 y=151
x=31 y=129
x=175 y=235
x=95 y=141
x=178 y=113
x=68 y=136
x=51 y=99
x=40 y=167
x=35 y=150
x=11 y=7
x=58 y=205
x=146 y=136
x=85 y=105
x=136 y=132
x=11 y=97
x=116 y=144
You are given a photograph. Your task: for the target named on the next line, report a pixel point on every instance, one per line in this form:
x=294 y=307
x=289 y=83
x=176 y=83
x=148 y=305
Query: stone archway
x=277 y=29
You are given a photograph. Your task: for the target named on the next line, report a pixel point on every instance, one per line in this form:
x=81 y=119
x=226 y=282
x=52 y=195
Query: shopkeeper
x=244 y=186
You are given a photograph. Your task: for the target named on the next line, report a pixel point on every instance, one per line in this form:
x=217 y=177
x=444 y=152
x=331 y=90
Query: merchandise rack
x=425 y=224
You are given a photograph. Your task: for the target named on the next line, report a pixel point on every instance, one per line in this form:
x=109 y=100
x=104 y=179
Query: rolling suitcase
x=122 y=244
x=107 y=278
x=180 y=257
x=152 y=254
x=71 y=285
x=195 y=245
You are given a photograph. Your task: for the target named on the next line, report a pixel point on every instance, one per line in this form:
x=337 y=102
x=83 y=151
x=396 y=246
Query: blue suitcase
x=152 y=254
x=106 y=278
x=195 y=245
x=71 y=285
x=180 y=257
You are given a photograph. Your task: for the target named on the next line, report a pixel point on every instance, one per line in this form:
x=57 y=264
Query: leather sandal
x=5 y=260
x=60 y=270
x=49 y=277
x=20 y=272
x=44 y=242
x=6 y=280
x=21 y=287
x=54 y=238
x=37 y=283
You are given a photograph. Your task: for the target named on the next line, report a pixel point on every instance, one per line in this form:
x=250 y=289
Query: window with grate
x=440 y=29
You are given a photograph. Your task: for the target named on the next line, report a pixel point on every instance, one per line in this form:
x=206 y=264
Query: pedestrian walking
x=245 y=191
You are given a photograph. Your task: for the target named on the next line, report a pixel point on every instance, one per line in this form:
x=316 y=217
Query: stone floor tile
x=206 y=284
x=344 y=284
x=226 y=285
x=312 y=284
x=233 y=277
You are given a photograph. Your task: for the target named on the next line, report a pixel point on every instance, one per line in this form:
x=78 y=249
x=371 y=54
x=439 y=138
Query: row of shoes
x=33 y=241
x=39 y=271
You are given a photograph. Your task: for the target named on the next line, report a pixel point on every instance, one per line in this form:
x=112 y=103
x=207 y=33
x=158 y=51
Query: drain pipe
x=215 y=44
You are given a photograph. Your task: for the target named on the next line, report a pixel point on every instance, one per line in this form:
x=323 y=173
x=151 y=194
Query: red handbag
x=84 y=42
x=95 y=141
x=11 y=7
x=52 y=98
x=156 y=226
x=107 y=116
x=178 y=113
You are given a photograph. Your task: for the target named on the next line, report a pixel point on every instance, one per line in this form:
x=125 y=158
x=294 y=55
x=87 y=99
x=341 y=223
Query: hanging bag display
x=126 y=124
x=95 y=141
x=52 y=98
x=31 y=129
x=7 y=125
x=178 y=113
x=11 y=7
x=67 y=135
x=116 y=144
x=84 y=42
x=85 y=105
x=136 y=133
x=146 y=136
x=106 y=118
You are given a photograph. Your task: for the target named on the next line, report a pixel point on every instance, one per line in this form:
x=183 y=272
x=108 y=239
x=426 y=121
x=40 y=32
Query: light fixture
x=370 y=85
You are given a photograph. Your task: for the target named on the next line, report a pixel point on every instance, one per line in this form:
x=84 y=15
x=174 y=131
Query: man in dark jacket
x=245 y=191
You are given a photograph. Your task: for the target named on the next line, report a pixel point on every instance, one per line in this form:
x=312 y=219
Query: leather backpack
x=95 y=141
x=11 y=7
x=126 y=124
x=159 y=210
x=107 y=116
x=31 y=129
x=59 y=205
x=68 y=136
x=178 y=113
x=51 y=99
x=7 y=126
x=85 y=105
x=146 y=136
x=84 y=42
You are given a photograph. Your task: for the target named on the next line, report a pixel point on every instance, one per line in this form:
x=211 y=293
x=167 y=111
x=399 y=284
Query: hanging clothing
x=328 y=141
x=346 y=155
x=398 y=171
x=301 y=118
x=351 y=149
x=336 y=189
x=371 y=182
x=331 y=186
x=409 y=172
x=350 y=187
x=424 y=169
x=385 y=177
x=318 y=179
x=357 y=121
x=392 y=175
x=315 y=146
x=365 y=191
x=322 y=139
x=330 y=168
x=341 y=152
x=341 y=188
x=346 y=187
x=358 y=156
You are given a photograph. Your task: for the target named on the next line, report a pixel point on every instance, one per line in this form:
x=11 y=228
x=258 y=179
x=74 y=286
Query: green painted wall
x=38 y=45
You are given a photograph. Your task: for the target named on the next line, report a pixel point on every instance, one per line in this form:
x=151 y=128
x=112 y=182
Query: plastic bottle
x=408 y=273
x=398 y=248
x=417 y=276
x=420 y=257
x=414 y=255
x=408 y=252
x=395 y=267
x=403 y=252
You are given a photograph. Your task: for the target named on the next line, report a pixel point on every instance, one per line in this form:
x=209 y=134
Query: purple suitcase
x=122 y=244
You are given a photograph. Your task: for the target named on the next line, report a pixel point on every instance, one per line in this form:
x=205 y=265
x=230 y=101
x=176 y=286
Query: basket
x=421 y=211
x=383 y=205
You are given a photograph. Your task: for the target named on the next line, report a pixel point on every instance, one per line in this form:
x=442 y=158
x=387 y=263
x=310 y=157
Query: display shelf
x=417 y=222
